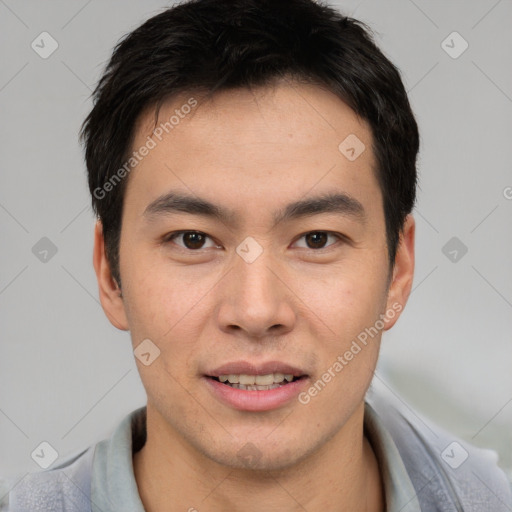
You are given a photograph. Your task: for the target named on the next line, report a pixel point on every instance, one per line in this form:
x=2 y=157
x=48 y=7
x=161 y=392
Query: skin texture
x=253 y=152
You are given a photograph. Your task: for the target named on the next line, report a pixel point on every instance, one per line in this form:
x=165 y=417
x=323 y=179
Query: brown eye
x=318 y=239
x=192 y=240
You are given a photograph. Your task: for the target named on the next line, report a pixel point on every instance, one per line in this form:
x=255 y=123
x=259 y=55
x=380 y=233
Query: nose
x=256 y=300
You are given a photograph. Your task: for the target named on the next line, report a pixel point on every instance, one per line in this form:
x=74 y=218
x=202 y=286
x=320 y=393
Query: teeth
x=256 y=380
x=247 y=380
x=264 y=380
x=255 y=387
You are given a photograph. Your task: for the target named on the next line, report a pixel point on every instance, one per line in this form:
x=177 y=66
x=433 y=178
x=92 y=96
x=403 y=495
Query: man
x=252 y=166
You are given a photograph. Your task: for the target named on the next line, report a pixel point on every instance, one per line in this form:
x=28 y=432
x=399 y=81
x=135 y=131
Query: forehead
x=261 y=145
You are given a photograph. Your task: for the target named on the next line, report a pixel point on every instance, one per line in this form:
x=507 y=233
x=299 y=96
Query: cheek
x=348 y=354
x=152 y=304
x=164 y=310
x=347 y=297
x=169 y=308
x=346 y=310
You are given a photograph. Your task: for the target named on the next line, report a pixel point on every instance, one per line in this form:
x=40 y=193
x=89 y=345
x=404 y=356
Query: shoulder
x=70 y=484
x=65 y=487
x=447 y=472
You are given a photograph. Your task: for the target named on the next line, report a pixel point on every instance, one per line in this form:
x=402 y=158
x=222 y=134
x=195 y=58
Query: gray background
x=68 y=377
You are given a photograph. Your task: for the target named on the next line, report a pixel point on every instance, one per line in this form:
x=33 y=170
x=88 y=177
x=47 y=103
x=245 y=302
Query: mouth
x=250 y=387
x=257 y=382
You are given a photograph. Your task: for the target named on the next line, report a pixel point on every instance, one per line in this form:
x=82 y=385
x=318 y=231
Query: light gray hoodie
x=424 y=469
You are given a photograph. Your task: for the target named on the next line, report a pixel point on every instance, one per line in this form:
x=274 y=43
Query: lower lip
x=252 y=400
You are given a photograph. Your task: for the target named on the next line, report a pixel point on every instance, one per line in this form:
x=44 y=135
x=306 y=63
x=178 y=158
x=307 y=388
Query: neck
x=342 y=475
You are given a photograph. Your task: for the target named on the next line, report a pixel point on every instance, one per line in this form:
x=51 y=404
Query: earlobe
x=110 y=295
x=403 y=274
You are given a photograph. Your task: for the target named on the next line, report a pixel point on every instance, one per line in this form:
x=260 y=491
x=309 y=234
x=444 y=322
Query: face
x=252 y=245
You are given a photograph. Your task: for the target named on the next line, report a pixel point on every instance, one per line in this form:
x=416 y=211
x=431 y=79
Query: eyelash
x=171 y=236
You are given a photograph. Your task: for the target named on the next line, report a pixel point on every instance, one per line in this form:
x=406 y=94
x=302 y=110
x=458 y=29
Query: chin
x=259 y=454
x=251 y=459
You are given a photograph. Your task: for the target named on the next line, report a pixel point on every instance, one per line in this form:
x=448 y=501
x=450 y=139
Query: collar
x=113 y=484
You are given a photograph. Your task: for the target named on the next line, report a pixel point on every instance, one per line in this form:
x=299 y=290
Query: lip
x=245 y=367
x=252 y=400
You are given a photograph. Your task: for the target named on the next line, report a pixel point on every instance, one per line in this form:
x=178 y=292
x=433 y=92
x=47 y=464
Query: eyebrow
x=334 y=202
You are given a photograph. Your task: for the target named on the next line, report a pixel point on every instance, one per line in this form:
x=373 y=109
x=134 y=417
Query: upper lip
x=248 y=368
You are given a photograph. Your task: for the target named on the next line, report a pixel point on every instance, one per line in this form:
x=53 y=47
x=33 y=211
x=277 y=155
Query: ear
x=403 y=274
x=110 y=294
